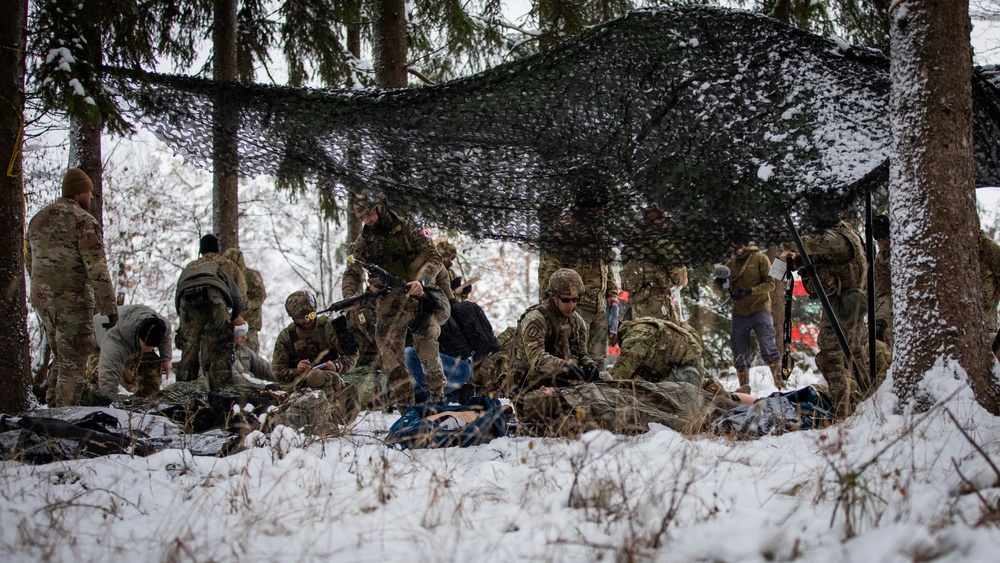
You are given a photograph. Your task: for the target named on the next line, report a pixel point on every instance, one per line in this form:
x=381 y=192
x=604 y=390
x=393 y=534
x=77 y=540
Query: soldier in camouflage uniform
x=839 y=260
x=401 y=248
x=309 y=352
x=989 y=269
x=255 y=298
x=549 y=344
x=580 y=242
x=210 y=294
x=656 y=349
x=883 y=281
x=69 y=281
x=651 y=269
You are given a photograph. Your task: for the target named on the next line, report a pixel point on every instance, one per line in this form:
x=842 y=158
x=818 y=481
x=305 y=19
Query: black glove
x=457 y=281
x=741 y=293
x=573 y=371
x=880 y=327
x=467 y=290
x=592 y=372
x=112 y=321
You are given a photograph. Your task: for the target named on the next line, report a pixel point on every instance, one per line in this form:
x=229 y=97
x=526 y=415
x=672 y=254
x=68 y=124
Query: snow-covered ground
x=880 y=487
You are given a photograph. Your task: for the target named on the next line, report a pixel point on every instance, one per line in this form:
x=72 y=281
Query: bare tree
x=935 y=271
x=14 y=367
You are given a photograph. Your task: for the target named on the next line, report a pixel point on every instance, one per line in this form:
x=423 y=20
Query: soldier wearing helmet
x=551 y=341
x=308 y=351
x=404 y=250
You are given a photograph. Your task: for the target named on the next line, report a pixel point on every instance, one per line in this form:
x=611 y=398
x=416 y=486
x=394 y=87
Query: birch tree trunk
x=14 y=364
x=937 y=293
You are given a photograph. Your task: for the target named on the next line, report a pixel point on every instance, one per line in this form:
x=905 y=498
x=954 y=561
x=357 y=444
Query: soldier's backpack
x=195 y=278
x=435 y=426
x=476 y=328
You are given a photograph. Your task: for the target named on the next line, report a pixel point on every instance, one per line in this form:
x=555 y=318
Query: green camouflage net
x=722 y=119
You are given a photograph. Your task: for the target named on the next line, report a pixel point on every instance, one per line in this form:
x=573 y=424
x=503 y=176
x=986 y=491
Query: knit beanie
x=209 y=243
x=76 y=182
x=152 y=330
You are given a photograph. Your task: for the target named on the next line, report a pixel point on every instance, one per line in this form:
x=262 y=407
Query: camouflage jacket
x=652 y=347
x=750 y=271
x=318 y=344
x=443 y=280
x=255 y=299
x=579 y=241
x=883 y=286
x=989 y=266
x=839 y=259
x=400 y=247
x=120 y=345
x=655 y=267
x=64 y=254
x=545 y=342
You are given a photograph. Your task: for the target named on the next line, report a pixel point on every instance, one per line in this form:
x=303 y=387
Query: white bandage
x=241 y=330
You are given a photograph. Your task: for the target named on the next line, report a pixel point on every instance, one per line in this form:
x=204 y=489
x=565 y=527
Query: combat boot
x=777 y=376
x=744 y=377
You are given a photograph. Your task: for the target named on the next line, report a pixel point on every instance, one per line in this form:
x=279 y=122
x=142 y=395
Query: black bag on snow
x=427 y=426
x=476 y=328
x=801 y=409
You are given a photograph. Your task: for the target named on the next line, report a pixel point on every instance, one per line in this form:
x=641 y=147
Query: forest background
x=154 y=207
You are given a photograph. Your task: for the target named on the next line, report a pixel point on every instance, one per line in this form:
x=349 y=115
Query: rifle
x=356 y=300
x=389 y=280
x=786 y=358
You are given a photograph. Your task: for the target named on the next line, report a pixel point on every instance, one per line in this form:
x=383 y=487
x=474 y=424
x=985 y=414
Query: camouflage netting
x=722 y=119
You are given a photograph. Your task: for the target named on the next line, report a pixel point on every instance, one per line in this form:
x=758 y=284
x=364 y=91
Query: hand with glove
x=112 y=321
x=592 y=372
x=574 y=371
x=740 y=293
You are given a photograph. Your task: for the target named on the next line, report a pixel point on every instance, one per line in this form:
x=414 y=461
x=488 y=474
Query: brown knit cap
x=76 y=182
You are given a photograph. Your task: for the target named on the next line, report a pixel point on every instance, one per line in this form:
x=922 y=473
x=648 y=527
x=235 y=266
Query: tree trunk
x=85 y=130
x=389 y=43
x=935 y=271
x=782 y=11
x=354 y=46
x=225 y=184
x=14 y=364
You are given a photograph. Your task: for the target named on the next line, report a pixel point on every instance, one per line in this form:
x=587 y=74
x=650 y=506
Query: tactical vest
x=205 y=274
x=838 y=273
x=682 y=351
x=392 y=250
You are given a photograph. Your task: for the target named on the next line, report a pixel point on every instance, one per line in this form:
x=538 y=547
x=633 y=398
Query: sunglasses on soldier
x=567 y=300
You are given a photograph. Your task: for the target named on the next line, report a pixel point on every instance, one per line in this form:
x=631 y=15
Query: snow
x=880 y=487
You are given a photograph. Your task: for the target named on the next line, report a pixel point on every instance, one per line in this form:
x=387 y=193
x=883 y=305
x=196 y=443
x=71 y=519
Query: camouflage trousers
x=206 y=340
x=70 y=333
x=394 y=313
x=650 y=302
x=597 y=336
x=846 y=391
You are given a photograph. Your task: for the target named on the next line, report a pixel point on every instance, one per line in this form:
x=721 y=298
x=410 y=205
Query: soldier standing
x=210 y=294
x=750 y=287
x=839 y=260
x=402 y=249
x=255 y=298
x=550 y=343
x=69 y=281
x=651 y=269
x=580 y=242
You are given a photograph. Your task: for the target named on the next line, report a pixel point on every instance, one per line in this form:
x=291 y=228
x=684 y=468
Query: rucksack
x=476 y=328
x=437 y=426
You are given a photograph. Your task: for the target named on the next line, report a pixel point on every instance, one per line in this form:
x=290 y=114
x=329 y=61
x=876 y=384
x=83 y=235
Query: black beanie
x=209 y=243
x=152 y=330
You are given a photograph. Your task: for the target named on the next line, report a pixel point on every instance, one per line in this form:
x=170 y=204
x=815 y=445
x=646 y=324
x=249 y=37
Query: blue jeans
x=457 y=373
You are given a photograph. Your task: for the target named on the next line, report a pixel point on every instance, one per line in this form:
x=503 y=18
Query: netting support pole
x=823 y=299
x=870 y=259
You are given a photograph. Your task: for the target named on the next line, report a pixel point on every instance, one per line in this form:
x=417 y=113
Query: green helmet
x=366 y=203
x=565 y=281
x=446 y=249
x=299 y=304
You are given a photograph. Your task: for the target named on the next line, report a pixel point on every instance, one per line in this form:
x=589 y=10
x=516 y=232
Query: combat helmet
x=299 y=304
x=367 y=202
x=447 y=249
x=563 y=282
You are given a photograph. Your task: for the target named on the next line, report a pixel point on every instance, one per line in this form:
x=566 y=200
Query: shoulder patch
x=426 y=232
